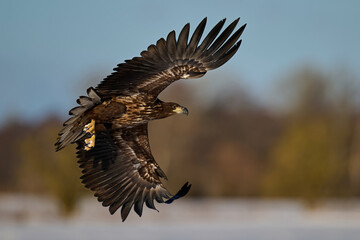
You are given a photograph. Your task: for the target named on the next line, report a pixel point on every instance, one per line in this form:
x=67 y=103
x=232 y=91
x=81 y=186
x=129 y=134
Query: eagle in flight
x=110 y=125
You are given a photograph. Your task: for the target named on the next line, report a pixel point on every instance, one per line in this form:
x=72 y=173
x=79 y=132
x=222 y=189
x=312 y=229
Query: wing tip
x=181 y=193
x=203 y=21
x=243 y=26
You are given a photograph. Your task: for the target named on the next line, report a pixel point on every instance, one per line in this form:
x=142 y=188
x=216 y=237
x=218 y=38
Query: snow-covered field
x=29 y=217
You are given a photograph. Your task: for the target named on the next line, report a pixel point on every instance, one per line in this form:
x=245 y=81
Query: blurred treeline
x=230 y=147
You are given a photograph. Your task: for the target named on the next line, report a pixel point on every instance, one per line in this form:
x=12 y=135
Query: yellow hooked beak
x=181 y=110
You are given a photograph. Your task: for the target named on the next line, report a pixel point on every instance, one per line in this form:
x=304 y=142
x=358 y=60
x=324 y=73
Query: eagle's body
x=110 y=124
x=127 y=111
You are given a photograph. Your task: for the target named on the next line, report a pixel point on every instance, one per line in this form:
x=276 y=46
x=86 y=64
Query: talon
x=89 y=143
x=90 y=128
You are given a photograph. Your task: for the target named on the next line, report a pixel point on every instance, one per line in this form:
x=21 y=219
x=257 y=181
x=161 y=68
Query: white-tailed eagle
x=110 y=125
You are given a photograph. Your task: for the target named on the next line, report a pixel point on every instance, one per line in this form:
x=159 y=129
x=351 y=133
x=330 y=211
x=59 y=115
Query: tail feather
x=73 y=127
x=85 y=101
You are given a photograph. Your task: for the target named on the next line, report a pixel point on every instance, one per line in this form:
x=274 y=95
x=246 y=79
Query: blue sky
x=51 y=50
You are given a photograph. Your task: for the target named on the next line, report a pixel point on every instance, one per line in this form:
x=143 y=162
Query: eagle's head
x=170 y=108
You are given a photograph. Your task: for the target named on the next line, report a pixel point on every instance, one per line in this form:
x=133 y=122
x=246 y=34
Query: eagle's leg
x=90 y=128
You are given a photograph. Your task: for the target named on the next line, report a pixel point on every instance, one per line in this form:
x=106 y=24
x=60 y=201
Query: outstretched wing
x=122 y=172
x=171 y=59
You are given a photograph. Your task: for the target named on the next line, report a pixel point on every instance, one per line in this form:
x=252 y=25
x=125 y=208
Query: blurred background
x=271 y=144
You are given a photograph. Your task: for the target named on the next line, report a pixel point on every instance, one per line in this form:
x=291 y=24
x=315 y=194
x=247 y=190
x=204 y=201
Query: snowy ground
x=28 y=217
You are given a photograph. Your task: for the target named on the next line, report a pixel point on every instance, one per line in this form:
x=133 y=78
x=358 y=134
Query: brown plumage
x=110 y=124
